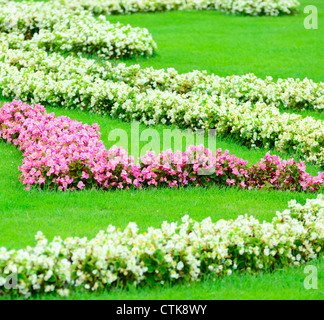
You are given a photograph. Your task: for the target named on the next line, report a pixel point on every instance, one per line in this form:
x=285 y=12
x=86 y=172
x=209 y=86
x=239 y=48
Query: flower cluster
x=55 y=28
x=66 y=154
x=248 y=7
x=174 y=253
x=245 y=107
x=290 y=93
x=70 y=85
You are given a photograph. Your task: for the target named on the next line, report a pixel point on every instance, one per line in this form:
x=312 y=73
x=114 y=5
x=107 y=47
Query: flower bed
x=255 y=7
x=255 y=124
x=173 y=253
x=118 y=7
x=55 y=28
x=290 y=93
x=63 y=153
x=242 y=106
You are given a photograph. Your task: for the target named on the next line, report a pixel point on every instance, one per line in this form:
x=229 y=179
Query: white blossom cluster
x=289 y=93
x=248 y=7
x=55 y=28
x=81 y=83
x=188 y=251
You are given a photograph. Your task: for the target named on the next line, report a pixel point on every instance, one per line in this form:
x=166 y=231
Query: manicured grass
x=224 y=44
x=220 y=43
x=85 y=213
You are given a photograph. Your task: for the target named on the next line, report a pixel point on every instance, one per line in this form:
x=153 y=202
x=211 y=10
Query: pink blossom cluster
x=62 y=153
x=275 y=173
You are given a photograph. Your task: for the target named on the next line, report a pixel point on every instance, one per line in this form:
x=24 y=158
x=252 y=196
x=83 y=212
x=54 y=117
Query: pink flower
x=81 y=185
x=62 y=150
x=84 y=175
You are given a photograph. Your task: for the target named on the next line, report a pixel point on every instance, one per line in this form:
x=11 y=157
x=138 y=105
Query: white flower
x=180 y=265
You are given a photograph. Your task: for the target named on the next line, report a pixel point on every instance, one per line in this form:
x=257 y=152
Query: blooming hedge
x=248 y=7
x=245 y=107
x=174 y=253
x=71 y=85
x=66 y=154
x=62 y=153
x=118 y=7
x=55 y=28
x=289 y=93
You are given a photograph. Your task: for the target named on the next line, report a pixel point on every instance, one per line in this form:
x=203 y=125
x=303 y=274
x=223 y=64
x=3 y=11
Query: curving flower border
x=247 y=7
x=289 y=93
x=62 y=153
x=173 y=253
x=54 y=27
x=245 y=107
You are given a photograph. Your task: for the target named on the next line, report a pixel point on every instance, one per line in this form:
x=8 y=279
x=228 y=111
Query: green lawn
x=219 y=43
x=223 y=44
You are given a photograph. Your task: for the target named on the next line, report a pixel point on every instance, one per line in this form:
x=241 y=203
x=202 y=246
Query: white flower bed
x=172 y=253
x=113 y=7
x=81 y=83
x=54 y=28
x=248 y=7
x=290 y=93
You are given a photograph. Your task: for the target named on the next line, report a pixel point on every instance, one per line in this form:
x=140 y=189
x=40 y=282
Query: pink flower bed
x=63 y=153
